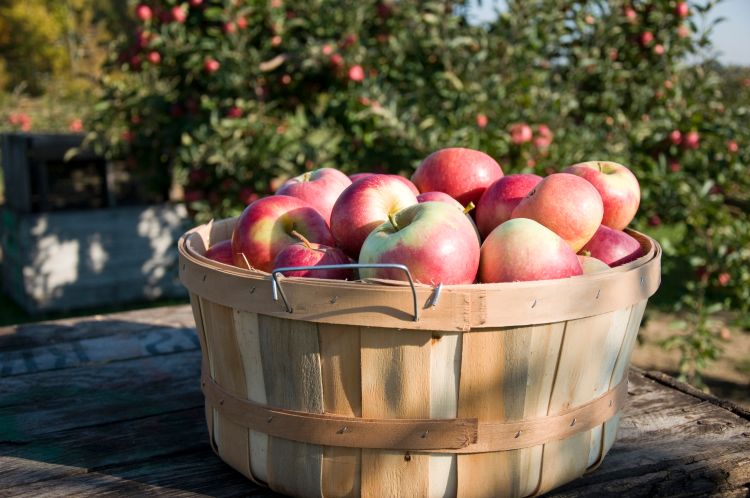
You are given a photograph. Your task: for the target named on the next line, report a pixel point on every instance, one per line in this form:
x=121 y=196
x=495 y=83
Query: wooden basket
x=496 y=390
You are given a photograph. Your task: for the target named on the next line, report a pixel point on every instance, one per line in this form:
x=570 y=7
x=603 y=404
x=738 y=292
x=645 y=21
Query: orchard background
x=225 y=99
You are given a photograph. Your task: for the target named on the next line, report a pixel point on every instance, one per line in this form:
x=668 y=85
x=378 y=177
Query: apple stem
x=392 y=219
x=302 y=238
x=469 y=207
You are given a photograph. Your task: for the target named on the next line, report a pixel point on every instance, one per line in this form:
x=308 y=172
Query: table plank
x=132 y=423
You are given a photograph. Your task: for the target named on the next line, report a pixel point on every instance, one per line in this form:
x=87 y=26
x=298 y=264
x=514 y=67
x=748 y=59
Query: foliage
x=234 y=96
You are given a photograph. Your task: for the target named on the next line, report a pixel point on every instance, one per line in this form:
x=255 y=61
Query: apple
x=682 y=9
x=266 y=226
x=143 y=12
x=522 y=249
x=463 y=174
x=566 y=204
x=320 y=187
x=439 y=197
x=433 y=239
x=221 y=252
x=443 y=197
x=211 y=65
x=408 y=183
x=617 y=186
x=612 y=247
x=498 y=201
x=358 y=176
x=591 y=264
x=306 y=253
x=363 y=206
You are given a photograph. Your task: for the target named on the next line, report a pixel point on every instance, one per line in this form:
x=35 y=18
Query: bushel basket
x=333 y=388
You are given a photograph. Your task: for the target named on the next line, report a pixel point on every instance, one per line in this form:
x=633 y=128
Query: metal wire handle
x=277 y=289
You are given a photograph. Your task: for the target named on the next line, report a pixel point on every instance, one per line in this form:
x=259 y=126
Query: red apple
x=500 y=198
x=520 y=133
x=691 y=140
x=521 y=249
x=306 y=253
x=439 y=197
x=617 y=186
x=612 y=247
x=592 y=265
x=143 y=12
x=566 y=204
x=179 y=15
x=682 y=9
x=436 y=241
x=463 y=174
x=266 y=227
x=320 y=187
x=408 y=183
x=211 y=65
x=363 y=206
x=221 y=252
x=358 y=176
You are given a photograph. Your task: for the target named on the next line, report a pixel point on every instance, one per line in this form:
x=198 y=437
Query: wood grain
x=248 y=342
x=292 y=377
x=342 y=394
x=579 y=378
x=621 y=367
x=395 y=384
x=445 y=371
x=228 y=370
x=494 y=371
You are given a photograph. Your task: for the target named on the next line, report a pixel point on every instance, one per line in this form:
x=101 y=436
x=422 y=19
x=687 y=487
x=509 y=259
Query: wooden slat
x=291 y=372
x=612 y=349
x=445 y=370
x=621 y=367
x=248 y=340
x=579 y=378
x=544 y=350
x=195 y=305
x=493 y=382
x=342 y=394
x=231 y=439
x=395 y=384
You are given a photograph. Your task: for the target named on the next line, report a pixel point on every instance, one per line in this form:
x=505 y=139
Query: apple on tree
x=463 y=174
x=436 y=241
x=498 y=201
x=521 y=250
x=363 y=206
x=617 y=186
x=566 y=204
x=320 y=188
x=266 y=227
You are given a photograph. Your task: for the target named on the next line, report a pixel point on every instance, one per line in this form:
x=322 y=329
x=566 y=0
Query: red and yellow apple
x=436 y=241
x=498 y=201
x=521 y=250
x=320 y=187
x=566 y=204
x=439 y=197
x=592 y=265
x=463 y=174
x=617 y=186
x=612 y=247
x=363 y=206
x=266 y=227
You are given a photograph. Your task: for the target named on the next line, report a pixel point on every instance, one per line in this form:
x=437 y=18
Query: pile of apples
x=524 y=227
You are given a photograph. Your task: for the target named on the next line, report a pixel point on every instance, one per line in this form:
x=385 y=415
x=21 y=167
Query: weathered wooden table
x=111 y=405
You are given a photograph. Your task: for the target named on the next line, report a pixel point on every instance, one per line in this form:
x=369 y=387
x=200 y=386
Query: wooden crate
x=498 y=390
x=78 y=259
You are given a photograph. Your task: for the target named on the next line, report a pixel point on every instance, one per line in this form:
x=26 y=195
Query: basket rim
x=634 y=282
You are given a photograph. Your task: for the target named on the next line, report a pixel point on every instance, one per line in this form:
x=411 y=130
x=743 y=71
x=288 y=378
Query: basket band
x=459 y=435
